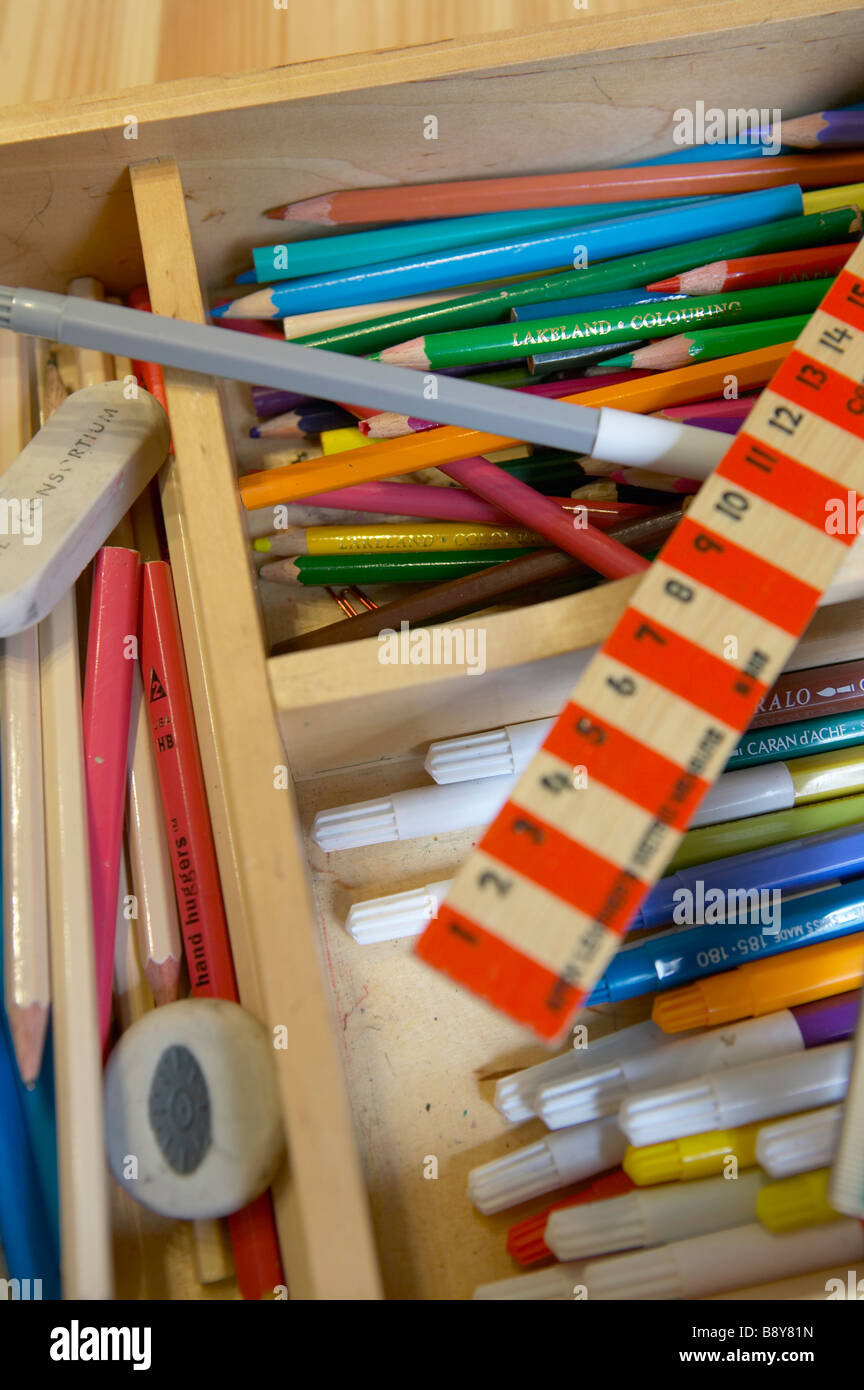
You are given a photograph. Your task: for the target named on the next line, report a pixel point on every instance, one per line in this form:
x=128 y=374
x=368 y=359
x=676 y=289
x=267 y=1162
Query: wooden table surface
x=57 y=49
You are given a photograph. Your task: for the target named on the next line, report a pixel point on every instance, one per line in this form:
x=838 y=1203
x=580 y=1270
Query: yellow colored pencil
x=401 y=536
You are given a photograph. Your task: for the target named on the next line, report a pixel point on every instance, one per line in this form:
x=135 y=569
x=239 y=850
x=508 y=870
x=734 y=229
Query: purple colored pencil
x=825 y=130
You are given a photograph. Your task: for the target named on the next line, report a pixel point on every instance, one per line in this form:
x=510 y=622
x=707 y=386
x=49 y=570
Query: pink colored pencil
x=111 y=653
x=700 y=411
x=457 y=504
x=657 y=482
x=388 y=425
x=525 y=504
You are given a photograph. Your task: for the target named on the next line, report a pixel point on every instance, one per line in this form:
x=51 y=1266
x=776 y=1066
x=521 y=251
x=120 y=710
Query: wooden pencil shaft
x=477 y=590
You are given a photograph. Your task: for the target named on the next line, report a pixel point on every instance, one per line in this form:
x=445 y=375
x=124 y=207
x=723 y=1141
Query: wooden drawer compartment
x=419 y=1057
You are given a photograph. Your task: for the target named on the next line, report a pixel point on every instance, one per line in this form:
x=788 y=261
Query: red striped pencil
x=413 y=202
x=756 y=272
x=196 y=872
x=111 y=652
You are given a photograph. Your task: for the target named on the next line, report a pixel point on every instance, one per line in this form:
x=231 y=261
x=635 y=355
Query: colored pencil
x=578 y=359
x=655 y=482
x=325 y=320
x=661 y=320
x=826 y=130
x=451 y=443
x=86 y=1262
x=405 y=536
x=387 y=425
x=798 y=739
x=629 y=272
x=107 y=704
x=830 y=689
x=195 y=870
x=669 y=353
x=392 y=568
x=267 y=402
x=599 y=241
x=296 y=424
x=479 y=590
x=318 y=255
x=583 y=303
x=160 y=948
x=734 y=410
x=25 y=935
x=450 y=504
x=415 y=201
x=756 y=272
x=25 y=1233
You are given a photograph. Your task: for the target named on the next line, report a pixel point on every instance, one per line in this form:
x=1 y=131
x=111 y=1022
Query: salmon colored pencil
x=196 y=873
x=450 y=443
x=757 y=272
x=411 y=203
x=111 y=650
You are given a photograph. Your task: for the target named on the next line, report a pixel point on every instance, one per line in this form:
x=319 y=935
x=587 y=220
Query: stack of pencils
x=672 y=289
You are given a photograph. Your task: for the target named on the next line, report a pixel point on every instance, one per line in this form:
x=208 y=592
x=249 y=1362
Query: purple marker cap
x=828 y=1020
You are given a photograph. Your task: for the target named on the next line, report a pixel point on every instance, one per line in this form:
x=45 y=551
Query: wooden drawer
x=419 y=1057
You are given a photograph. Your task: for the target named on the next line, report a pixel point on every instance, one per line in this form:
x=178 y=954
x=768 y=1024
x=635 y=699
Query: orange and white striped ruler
x=539 y=908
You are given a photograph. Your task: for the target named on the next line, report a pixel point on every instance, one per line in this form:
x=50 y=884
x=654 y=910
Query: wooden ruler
x=541 y=905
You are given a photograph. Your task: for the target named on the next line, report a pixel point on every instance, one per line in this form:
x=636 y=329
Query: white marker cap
x=801 y=1143
x=553 y=1162
x=739 y=1096
x=429 y=810
x=496 y=753
x=673 y=1211
x=397 y=915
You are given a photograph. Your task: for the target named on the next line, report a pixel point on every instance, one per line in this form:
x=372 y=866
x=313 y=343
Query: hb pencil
x=630 y=272
x=755 y=272
x=407 y=204
x=195 y=870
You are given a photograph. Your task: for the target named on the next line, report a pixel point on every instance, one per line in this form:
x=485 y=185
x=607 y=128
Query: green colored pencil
x=506 y=340
x=626 y=273
x=785 y=741
x=416 y=568
x=714 y=342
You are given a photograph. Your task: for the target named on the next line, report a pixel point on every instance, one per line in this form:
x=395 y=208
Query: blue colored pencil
x=320 y=255
x=25 y=1232
x=497 y=260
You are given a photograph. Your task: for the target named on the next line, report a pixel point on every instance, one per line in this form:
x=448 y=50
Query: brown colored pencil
x=410 y=203
x=479 y=590
x=812 y=693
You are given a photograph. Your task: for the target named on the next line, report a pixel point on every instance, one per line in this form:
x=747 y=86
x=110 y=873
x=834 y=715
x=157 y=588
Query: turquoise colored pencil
x=784 y=741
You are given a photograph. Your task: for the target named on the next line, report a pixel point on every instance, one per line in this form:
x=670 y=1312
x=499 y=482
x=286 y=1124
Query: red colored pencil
x=107 y=703
x=413 y=202
x=196 y=873
x=755 y=272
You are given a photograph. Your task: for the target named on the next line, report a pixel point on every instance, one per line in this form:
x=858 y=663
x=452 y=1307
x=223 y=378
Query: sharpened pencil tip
x=254 y=433
x=220 y=310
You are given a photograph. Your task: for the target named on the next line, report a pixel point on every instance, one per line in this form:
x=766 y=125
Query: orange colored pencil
x=448 y=444
x=755 y=272
x=412 y=202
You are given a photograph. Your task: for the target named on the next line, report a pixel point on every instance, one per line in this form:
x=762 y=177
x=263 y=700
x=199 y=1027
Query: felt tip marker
x=739 y=1095
x=796 y=1202
x=763 y=986
x=800 y=1143
x=575 y=1097
x=553 y=1162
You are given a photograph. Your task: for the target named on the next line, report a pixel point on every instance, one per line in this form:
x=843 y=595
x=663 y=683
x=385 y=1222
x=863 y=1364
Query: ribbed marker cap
x=690 y=1108
x=799 y=1143
x=584 y=1097
x=598 y=1228
x=477 y=755
x=515 y=1178
x=796 y=1202
x=395 y=916
x=553 y=1285
x=352 y=827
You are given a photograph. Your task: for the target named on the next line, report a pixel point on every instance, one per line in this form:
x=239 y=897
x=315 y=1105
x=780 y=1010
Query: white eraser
x=67 y=490
x=192 y=1121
